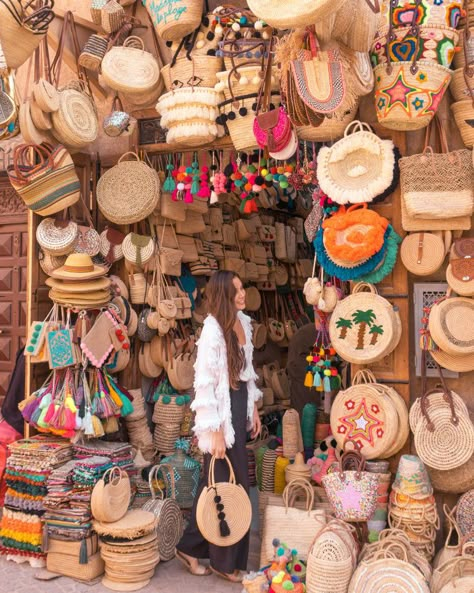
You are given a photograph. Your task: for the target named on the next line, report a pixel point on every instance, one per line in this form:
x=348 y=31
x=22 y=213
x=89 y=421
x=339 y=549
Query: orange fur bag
x=354 y=234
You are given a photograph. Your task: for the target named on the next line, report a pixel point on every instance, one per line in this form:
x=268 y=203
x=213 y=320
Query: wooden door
x=13 y=258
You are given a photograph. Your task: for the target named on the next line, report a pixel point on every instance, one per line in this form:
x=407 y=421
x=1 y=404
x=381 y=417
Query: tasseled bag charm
x=223 y=525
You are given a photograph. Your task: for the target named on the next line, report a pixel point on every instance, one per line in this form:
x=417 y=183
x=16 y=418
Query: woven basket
x=452 y=325
x=461 y=223
x=75 y=123
x=332 y=128
x=391 y=574
x=128 y=192
x=292 y=437
x=137 y=254
x=54 y=239
x=186 y=472
x=69 y=566
x=463 y=113
x=300 y=13
x=130 y=70
x=362 y=343
x=241 y=128
x=173 y=22
x=168 y=411
x=204 y=68
x=18 y=40
x=93 y=52
x=431 y=80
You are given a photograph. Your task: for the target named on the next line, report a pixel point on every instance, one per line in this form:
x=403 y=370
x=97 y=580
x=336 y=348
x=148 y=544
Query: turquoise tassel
x=169 y=185
x=327 y=384
x=316 y=380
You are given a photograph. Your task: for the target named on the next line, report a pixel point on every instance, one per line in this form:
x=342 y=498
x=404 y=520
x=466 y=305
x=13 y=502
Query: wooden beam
x=79 y=20
x=224 y=143
x=70 y=61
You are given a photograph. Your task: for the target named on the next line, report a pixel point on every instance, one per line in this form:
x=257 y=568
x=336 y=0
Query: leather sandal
x=185 y=562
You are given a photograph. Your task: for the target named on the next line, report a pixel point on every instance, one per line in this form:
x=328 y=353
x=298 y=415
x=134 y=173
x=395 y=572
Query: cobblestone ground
x=170 y=577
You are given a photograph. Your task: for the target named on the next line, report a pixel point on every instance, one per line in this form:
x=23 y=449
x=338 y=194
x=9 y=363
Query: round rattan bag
x=56 y=239
x=422 y=253
x=223 y=511
x=75 y=123
x=111 y=496
x=363 y=326
x=452 y=325
x=387 y=575
x=128 y=192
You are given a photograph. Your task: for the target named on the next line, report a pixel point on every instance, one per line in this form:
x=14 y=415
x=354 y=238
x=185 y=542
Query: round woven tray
x=388 y=575
x=452 y=325
x=133 y=525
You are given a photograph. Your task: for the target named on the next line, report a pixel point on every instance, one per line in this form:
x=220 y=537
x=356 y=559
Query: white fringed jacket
x=211 y=382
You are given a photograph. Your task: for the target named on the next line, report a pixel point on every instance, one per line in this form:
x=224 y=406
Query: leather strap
x=420 y=248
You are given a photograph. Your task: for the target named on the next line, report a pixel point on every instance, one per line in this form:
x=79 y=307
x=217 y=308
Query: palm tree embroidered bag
x=364 y=327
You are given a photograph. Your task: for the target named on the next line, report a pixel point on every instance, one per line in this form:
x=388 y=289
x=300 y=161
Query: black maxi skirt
x=229 y=558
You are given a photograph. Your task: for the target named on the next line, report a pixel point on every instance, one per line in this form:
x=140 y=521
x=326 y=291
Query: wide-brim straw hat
x=74 y=301
x=79 y=266
x=457 y=364
x=133 y=525
x=93 y=296
x=463 y=286
x=422 y=253
x=79 y=286
x=451 y=325
x=412 y=478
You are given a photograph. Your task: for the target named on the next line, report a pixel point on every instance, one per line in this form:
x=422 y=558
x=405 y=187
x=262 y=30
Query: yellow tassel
x=308 y=380
x=321 y=352
x=320 y=387
x=111 y=425
x=97 y=426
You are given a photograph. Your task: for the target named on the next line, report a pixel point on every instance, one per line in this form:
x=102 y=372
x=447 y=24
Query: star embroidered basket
x=366 y=414
x=364 y=327
x=352 y=492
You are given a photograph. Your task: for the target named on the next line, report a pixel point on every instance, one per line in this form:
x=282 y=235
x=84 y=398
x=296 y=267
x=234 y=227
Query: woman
x=225 y=406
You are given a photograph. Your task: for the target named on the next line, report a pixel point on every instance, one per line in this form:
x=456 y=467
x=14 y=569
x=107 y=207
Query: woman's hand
x=256 y=423
x=218 y=447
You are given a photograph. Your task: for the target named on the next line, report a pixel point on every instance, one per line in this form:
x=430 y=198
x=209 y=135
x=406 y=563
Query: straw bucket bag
x=48 y=186
x=111 y=496
x=223 y=511
x=292 y=437
x=129 y=191
x=462 y=84
x=332 y=128
x=23 y=29
x=179 y=72
x=173 y=21
x=130 y=70
x=463 y=114
x=364 y=327
x=170 y=525
x=357 y=168
x=300 y=13
x=280 y=522
x=451 y=325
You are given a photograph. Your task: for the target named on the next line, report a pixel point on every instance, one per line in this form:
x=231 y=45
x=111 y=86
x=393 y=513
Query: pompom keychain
x=205 y=190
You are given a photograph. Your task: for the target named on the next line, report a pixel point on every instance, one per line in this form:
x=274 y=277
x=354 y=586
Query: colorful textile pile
x=28 y=469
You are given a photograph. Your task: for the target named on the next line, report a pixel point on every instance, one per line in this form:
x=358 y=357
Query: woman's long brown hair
x=220 y=295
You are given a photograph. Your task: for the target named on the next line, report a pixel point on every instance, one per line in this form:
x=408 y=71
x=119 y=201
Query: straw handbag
x=352 y=493
x=130 y=70
x=463 y=112
x=300 y=13
x=23 y=28
x=111 y=496
x=438 y=185
x=451 y=325
x=49 y=185
x=364 y=327
x=57 y=239
x=280 y=522
x=223 y=511
x=129 y=191
x=170 y=525
x=174 y=21
x=358 y=168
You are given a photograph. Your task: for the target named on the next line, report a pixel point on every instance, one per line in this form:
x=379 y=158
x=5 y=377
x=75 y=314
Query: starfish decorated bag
x=352 y=491
x=364 y=327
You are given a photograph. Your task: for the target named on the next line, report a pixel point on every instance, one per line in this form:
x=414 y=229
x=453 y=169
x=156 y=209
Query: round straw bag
x=169 y=527
x=463 y=113
x=223 y=511
x=300 y=13
x=129 y=191
x=111 y=496
x=387 y=574
x=56 y=240
x=441 y=430
x=452 y=325
x=138 y=249
x=130 y=70
x=172 y=24
x=363 y=326
x=422 y=253
x=75 y=123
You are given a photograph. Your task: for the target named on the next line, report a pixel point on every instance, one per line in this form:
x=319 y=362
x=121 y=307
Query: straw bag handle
x=413 y=30
x=364 y=377
x=361 y=126
x=361 y=286
x=425 y=405
x=384 y=553
x=375 y=7
x=211 y=481
x=114 y=475
x=352 y=458
x=299 y=483
x=170 y=482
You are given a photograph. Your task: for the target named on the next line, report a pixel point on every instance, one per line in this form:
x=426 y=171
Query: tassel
x=78 y=423
x=111 y=425
x=169 y=185
x=316 y=380
x=195 y=186
x=50 y=413
x=87 y=423
x=97 y=427
x=308 y=380
x=188 y=196
x=213 y=199
x=83 y=556
x=327 y=384
x=224 y=528
x=37 y=418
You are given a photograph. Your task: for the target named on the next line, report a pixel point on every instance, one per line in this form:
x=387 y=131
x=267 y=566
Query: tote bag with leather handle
x=111 y=496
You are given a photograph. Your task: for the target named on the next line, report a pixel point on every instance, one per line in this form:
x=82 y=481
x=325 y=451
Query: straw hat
x=79 y=266
x=76 y=302
x=412 y=478
x=460 y=276
x=96 y=296
x=119 y=287
x=133 y=323
x=452 y=325
x=457 y=364
x=133 y=525
x=422 y=253
x=83 y=286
